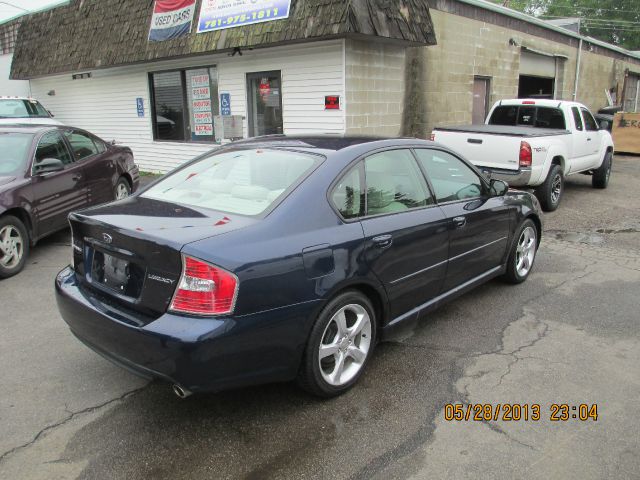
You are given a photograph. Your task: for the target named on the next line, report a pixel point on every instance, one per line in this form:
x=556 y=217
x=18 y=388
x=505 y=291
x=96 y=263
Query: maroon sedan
x=46 y=172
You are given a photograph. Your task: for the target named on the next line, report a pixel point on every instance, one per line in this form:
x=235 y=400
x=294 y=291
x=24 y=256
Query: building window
x=184 y=103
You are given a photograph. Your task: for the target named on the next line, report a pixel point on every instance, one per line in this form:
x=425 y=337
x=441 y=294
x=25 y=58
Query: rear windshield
x=14 y=148
x=246 y=182
x=528 y=116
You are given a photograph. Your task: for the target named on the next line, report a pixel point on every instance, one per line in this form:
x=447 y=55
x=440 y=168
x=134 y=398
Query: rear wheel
x=340 y=345
x=550 y=192
x=122 y=189
x=14 y=246
x=523 y=253
x=601 y=176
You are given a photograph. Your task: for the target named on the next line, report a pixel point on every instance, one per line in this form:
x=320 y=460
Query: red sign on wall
x=332 y=102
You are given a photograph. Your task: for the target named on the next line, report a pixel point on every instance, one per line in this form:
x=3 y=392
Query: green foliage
x=612 y=21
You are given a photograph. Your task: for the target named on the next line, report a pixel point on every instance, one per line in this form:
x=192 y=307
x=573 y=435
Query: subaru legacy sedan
x=285 y=258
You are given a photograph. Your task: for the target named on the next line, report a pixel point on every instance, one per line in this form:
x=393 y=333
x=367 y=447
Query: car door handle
x=383 y=241
x=588 y=139
x=75 y=178
x=460 y=222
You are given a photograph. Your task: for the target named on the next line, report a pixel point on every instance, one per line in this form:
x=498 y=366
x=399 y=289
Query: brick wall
x=375 y=88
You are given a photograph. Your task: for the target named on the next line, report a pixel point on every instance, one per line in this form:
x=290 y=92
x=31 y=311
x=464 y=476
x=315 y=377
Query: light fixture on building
x=236 y=50
x=513 y=42
x=51 y=93
x=81 y=76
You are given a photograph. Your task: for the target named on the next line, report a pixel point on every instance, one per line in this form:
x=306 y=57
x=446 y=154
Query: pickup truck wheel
x=14 y=246
x=523 y=253
x=601 y=176
x=550 y=192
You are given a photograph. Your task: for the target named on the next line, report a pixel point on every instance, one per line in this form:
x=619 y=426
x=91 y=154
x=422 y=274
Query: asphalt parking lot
x=570 y=335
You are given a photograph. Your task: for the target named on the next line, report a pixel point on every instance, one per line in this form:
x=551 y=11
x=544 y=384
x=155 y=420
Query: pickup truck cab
x=536 y=144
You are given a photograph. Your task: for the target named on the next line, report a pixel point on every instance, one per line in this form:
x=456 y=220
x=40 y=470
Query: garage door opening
x=536 y=87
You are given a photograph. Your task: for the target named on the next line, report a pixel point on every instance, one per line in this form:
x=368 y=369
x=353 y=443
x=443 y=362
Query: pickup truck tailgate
x=492 y=151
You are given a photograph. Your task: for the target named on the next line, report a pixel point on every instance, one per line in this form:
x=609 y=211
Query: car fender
x=605 y=144
x=555 y=150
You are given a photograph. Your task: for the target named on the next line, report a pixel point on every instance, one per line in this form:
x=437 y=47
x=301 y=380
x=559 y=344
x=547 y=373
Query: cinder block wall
x=468 y=48
x=375 y=77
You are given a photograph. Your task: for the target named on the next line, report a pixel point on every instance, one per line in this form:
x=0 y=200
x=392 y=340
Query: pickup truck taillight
x=204 y=289
x=526 y=155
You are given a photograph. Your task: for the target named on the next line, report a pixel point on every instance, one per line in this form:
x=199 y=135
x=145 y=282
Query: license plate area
x=116 y=274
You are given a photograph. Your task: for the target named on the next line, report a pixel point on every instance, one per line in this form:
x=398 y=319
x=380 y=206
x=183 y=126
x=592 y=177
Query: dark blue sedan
x=286 y=258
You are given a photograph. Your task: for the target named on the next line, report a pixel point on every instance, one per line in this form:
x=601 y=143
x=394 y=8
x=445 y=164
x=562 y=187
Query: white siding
x=106 y=103
x=18 y=88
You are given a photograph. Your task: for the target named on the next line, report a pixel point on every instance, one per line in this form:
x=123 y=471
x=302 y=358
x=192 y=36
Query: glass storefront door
x=264 y=93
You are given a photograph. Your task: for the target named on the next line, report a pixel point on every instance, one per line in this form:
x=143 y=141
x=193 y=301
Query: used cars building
x=359 y=67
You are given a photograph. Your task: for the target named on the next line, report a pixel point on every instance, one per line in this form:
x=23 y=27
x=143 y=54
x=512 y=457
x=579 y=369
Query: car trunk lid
x=129 y=253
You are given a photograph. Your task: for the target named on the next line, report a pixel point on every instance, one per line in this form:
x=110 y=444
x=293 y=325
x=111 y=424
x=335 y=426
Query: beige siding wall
x=467 y=48
x=375 y=88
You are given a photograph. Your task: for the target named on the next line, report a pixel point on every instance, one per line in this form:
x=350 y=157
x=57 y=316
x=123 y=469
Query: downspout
x=575 y=91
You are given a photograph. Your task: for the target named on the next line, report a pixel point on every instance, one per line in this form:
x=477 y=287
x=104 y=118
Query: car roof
x=537 y=102
x=324 y=143
x=26 y=128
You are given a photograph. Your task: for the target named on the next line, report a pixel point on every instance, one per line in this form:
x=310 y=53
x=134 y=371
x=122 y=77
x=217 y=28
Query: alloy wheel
x=345 y=345
x=526 y=251
x=122 y=191
x=556 y=188
x=11 y=247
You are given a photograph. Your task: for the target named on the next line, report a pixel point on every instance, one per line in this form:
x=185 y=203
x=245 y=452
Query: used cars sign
x=221 y=14
x=171 y=19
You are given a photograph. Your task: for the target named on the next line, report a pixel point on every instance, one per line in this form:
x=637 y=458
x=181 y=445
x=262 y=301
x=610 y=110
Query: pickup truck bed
x=524 y=132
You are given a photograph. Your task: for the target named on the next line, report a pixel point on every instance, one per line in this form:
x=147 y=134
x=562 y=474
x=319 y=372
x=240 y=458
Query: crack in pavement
x=68 y=419
x=496 y=428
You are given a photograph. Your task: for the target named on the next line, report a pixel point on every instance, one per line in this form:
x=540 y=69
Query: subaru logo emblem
x=107 y=238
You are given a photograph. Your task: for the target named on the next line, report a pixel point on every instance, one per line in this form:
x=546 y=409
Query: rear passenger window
x=451 y=178
x=527 y=116
x=81 y=144
x=348 y=196
x=577 y=118
x=395 y=183
x=550 y=118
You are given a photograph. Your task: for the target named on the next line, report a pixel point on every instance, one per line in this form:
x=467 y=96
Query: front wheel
x=550 y=192
x=602 y=175
x=523 y=253
x=122 y=189
x=340 y=345
x=14 y=246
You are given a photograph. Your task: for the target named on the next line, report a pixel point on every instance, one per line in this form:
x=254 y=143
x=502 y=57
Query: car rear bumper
x=199 y=354
x=515 y=178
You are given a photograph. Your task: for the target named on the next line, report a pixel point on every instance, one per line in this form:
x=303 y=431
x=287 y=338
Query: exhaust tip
x=181 y=392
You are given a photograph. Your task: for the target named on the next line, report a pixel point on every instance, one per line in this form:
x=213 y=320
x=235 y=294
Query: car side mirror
x=604 y=125
x=498 y=188
x=50 y=114
x=113 y=142
x=49 y=165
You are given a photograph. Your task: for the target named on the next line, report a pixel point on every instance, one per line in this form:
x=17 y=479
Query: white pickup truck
x=535 y=143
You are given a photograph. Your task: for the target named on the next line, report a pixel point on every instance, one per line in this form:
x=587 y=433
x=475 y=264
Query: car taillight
x=526 y=155
x=204 y=289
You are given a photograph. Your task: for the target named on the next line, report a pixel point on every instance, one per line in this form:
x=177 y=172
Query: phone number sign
x=221 y=14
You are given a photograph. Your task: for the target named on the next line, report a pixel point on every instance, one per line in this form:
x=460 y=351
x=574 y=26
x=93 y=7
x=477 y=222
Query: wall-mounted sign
x=201 y=106
x=332 y=102
x=140 y=106
x=225 y=104
x=220 y=14
x=171 y=19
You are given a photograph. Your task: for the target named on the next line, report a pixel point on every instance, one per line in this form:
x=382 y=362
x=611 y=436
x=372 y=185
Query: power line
x=15 y=6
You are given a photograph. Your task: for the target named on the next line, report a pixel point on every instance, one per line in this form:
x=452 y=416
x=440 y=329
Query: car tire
x=346 y=345
x=523 y=253
x=551 y=191
x=14 y=246
x=122 y=189
x=601 y=175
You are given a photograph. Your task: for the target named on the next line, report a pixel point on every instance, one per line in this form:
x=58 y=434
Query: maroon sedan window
x=82 y=145
x=52 y=145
